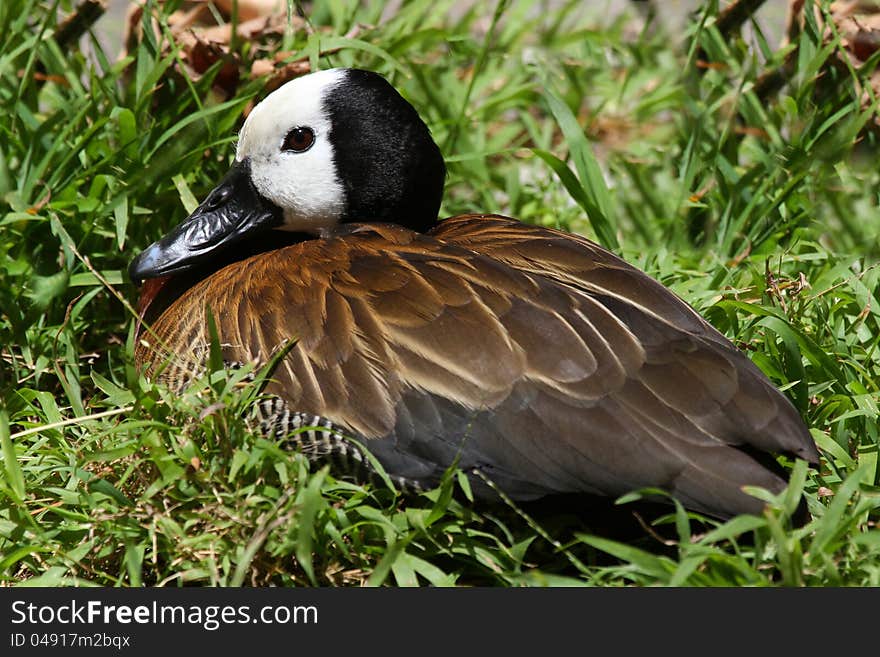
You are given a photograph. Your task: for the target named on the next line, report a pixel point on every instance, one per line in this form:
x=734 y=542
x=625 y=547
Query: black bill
x=233 y=210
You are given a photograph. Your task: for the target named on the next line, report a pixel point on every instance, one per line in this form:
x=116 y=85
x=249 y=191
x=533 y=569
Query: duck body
x=529 y=357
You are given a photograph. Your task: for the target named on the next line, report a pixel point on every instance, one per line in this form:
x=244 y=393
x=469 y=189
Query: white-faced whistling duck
x=531 y=355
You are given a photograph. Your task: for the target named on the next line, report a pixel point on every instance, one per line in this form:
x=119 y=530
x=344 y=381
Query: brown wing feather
x=533 y=354
x=688 y=361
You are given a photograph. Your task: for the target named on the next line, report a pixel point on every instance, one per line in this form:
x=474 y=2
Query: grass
x=760 y=210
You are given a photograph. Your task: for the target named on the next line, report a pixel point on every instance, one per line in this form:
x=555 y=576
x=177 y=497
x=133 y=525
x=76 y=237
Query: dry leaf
x=203 y=41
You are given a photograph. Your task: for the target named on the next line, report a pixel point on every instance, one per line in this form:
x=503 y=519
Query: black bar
x=407 y=621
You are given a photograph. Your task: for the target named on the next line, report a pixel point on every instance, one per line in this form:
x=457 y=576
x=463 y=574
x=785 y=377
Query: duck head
x=332 y=147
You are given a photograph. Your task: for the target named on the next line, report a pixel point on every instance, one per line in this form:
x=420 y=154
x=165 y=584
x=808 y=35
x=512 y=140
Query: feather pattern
x=533 y=355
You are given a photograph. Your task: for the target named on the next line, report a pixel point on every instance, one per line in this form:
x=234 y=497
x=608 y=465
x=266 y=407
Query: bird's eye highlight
x=298 y=140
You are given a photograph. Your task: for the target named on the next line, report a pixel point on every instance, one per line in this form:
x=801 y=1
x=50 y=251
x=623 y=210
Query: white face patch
x=306 y=185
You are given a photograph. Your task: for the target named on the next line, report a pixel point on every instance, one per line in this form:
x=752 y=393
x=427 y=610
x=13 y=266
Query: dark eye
x=298 y=140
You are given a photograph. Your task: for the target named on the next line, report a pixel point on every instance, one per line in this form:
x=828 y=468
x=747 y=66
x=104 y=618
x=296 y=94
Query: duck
x=534 y=360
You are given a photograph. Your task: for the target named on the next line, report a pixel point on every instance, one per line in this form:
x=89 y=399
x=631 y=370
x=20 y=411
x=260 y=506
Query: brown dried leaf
x=202 y=41
x=249 y=9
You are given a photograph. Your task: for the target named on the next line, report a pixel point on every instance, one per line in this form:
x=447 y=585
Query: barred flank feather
x=321 y=441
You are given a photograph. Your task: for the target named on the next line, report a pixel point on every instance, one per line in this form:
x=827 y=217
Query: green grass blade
x=595 y=194
x=12 y=468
